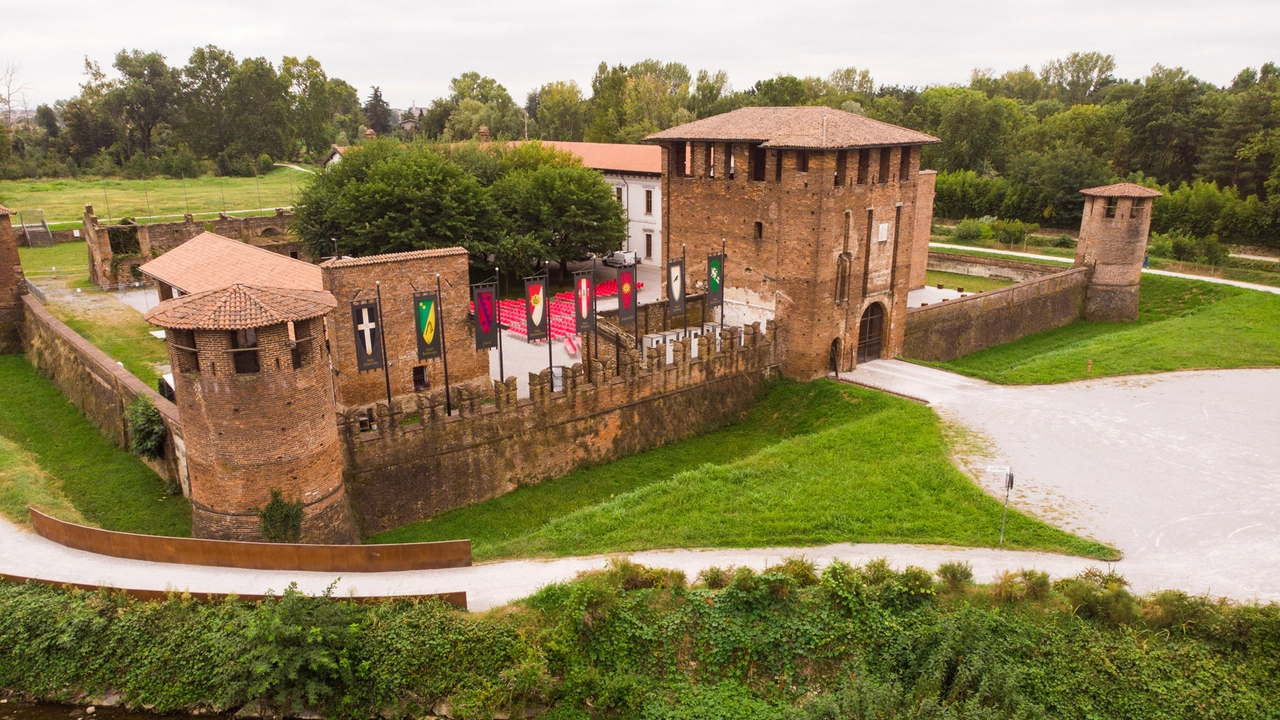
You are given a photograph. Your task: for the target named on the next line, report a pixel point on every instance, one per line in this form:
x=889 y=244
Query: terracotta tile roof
x=605 y=157
x=240 y=306
x=6 y=211
x=393 y=257
x=209 y=262
x=1122 y=190
x=796 y=127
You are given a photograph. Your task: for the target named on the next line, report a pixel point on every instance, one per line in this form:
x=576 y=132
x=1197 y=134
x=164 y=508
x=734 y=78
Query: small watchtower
x=12 y=287
x=251 y=377
x=1113 y=241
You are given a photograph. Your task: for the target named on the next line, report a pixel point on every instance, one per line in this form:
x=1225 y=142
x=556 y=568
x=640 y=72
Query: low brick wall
x=255 y=556
x=401 y=472
x=950 y=329
x=995 y=267
x=95 y=384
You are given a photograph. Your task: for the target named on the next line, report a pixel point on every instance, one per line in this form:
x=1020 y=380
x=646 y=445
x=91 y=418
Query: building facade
x=819 y=211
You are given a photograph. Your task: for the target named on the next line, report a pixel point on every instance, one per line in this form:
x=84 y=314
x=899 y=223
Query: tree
x=311 y=108
x=90 y=128
x=385 y=198
x=560 y=110
x=976 y=131
x=258 y=111
x=1246 y=111
x=146 y=95
x=571 y=211
x=47 y=120
x=1167 y=123
x=1079 y=77
x=377 y=113
x=205 y=78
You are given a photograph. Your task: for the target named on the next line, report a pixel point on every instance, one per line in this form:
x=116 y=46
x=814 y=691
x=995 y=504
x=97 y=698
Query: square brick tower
x=819 y=210
x=12 y=287
x=1113 y=241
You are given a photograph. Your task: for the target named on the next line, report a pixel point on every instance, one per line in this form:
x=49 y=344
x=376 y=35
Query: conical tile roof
x=239 y=307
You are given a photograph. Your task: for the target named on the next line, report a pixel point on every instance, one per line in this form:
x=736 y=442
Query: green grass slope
x=815 y=463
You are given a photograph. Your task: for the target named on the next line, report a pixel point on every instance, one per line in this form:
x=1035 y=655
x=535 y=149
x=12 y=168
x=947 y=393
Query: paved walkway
x=1149 y=271
x=1181 y=471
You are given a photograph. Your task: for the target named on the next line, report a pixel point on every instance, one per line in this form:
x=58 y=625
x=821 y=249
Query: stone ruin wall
x=414 y=461
x=106 y=268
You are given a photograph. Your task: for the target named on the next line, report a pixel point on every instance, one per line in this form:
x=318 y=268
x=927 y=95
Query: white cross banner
x=364 y=319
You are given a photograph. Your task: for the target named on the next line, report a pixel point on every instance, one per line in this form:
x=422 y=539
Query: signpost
x=1008 y=486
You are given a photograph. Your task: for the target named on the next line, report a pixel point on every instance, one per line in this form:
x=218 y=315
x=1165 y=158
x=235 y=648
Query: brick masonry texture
x=12 y=288
x=812 y=232
x=925 y=184
x=947 y=330
x=400 y=279
x=1114 y=247
x=250 y=433
x=399 y=473
x=991 y=266
x=267 y=231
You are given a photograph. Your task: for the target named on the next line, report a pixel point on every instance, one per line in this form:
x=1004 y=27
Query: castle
x=310 y=380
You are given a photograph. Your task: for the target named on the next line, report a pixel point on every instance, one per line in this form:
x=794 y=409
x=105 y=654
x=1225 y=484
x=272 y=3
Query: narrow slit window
x=884 y=166
x=617 y=192
x=756 y=159
x=728 y=160
x=421 y=381
x=842 y=162
x=904 y=165
x=648 y=202
x=802 y=161
x=777 y=166
x=648 y=245
x=864 y=165
x=759 y=230
x=677 y=159
x=711 y=160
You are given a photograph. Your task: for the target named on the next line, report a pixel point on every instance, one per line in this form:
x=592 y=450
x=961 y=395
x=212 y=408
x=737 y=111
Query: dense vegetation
x=814 y=463
x=1181 y=325
x=851 y=642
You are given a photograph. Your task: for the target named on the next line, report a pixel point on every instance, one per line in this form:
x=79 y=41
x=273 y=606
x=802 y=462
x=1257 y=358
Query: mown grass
x=63 y=200
x=970 y=283
x=1182 y=325
x=52 y=456
x=1063 y=262
x=815 y=463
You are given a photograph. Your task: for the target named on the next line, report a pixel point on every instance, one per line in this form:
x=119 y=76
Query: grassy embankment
x=111 y=326
x=970 y=283
x=63 y=200
x=1182 y=325
x=814 y=463
x=53 y=459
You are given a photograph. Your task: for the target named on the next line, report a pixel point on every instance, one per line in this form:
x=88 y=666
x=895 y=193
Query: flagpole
x=444 y=354
x=382 y=340
x=684 y=296
x=724 y=263
x=497 y=318
x=595 y=321
x=546 y=308
x=635 y=302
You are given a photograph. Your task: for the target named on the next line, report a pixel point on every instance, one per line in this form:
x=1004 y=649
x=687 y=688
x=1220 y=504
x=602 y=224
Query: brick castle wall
x=402 y=472
x=948 y=330
x=926 y=181
x=402 y=275
x=989 y=266
x=813 y=252
x=250 y=433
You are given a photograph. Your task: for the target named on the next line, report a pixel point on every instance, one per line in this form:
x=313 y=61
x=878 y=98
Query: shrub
x=179 y=162
x=715 y=578
x=146 y=429
x=955 y=576
x=968 y=230
x=281 y=520
x=265 y=164
x=1012 y=232
x=800 y=569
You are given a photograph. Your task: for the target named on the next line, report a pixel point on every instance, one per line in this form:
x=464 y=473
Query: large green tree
x=1167 y=123
x=146 y=96
x=377 y=113
x=258 y=110
x=205 y=102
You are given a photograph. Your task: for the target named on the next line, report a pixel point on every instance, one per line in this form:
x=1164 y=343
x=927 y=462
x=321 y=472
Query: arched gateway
x=870 y=333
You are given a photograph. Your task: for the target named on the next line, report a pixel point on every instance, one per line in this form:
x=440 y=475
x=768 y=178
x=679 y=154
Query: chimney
x=484 y=133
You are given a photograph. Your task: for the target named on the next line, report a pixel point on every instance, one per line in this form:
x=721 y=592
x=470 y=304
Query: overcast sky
x=412 y=49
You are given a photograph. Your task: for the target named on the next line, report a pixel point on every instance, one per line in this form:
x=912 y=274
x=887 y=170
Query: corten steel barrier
x=457 y=599
x=252 y=555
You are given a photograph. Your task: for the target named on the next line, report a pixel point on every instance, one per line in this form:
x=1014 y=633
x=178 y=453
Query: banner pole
x=497 y=319
x=684 y=285
x=546 y=306
x=444 y=352
x=382 y=340
x=724 y=262
x=635 y=291
x=595 y=321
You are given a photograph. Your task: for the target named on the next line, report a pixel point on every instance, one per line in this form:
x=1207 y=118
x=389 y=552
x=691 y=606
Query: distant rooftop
x=819 y=128
x=606 y=157
x=239 y=307
x=6 y=211
x=1129 y=190
x=393 y=257
x=209 y=262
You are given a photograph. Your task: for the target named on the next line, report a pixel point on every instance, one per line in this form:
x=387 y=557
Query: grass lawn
x=1063 y=263
x=51 y=457
x=970 y=283
x=1182 y=325
x=814 y=463
x=63 y=200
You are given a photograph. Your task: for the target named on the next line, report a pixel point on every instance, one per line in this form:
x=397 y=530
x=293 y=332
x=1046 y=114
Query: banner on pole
x=675 y=286
x=627 y=294
x=485 y=299
x=715 y=281
x=584 y=301
x=426 y=310
x=368 y=335
x=536 y=314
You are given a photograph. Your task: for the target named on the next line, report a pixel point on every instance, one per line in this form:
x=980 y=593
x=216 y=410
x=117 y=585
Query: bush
x=265 y=164
x=179 y=162
x=1012 y=232
x=147 y=432
x=281 y=520
x=233 y=166
x=955 y=576
x=1187 y=248
x=968 y=230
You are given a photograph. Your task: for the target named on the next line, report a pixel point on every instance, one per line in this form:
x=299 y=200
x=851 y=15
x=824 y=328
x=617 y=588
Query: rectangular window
x=648 y=202
x=1112 y=205
x=759 y=230
x=711 y=160
x=184 y=342
x=728 y=159
x=244 y=351
x=802 y=161
x=648 y=245
x=1135 y=210
x=617 y=192
x=677 y=159
x=842 y=163
x=904 y=165
x=756 y=159
x=777 y=167
x=864 y=165
x=420 y=380
x=884 y=165
x=293 y=254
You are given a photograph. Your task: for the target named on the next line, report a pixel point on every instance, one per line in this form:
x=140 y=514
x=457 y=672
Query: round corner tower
x=1113 y=242
x=254 y=395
